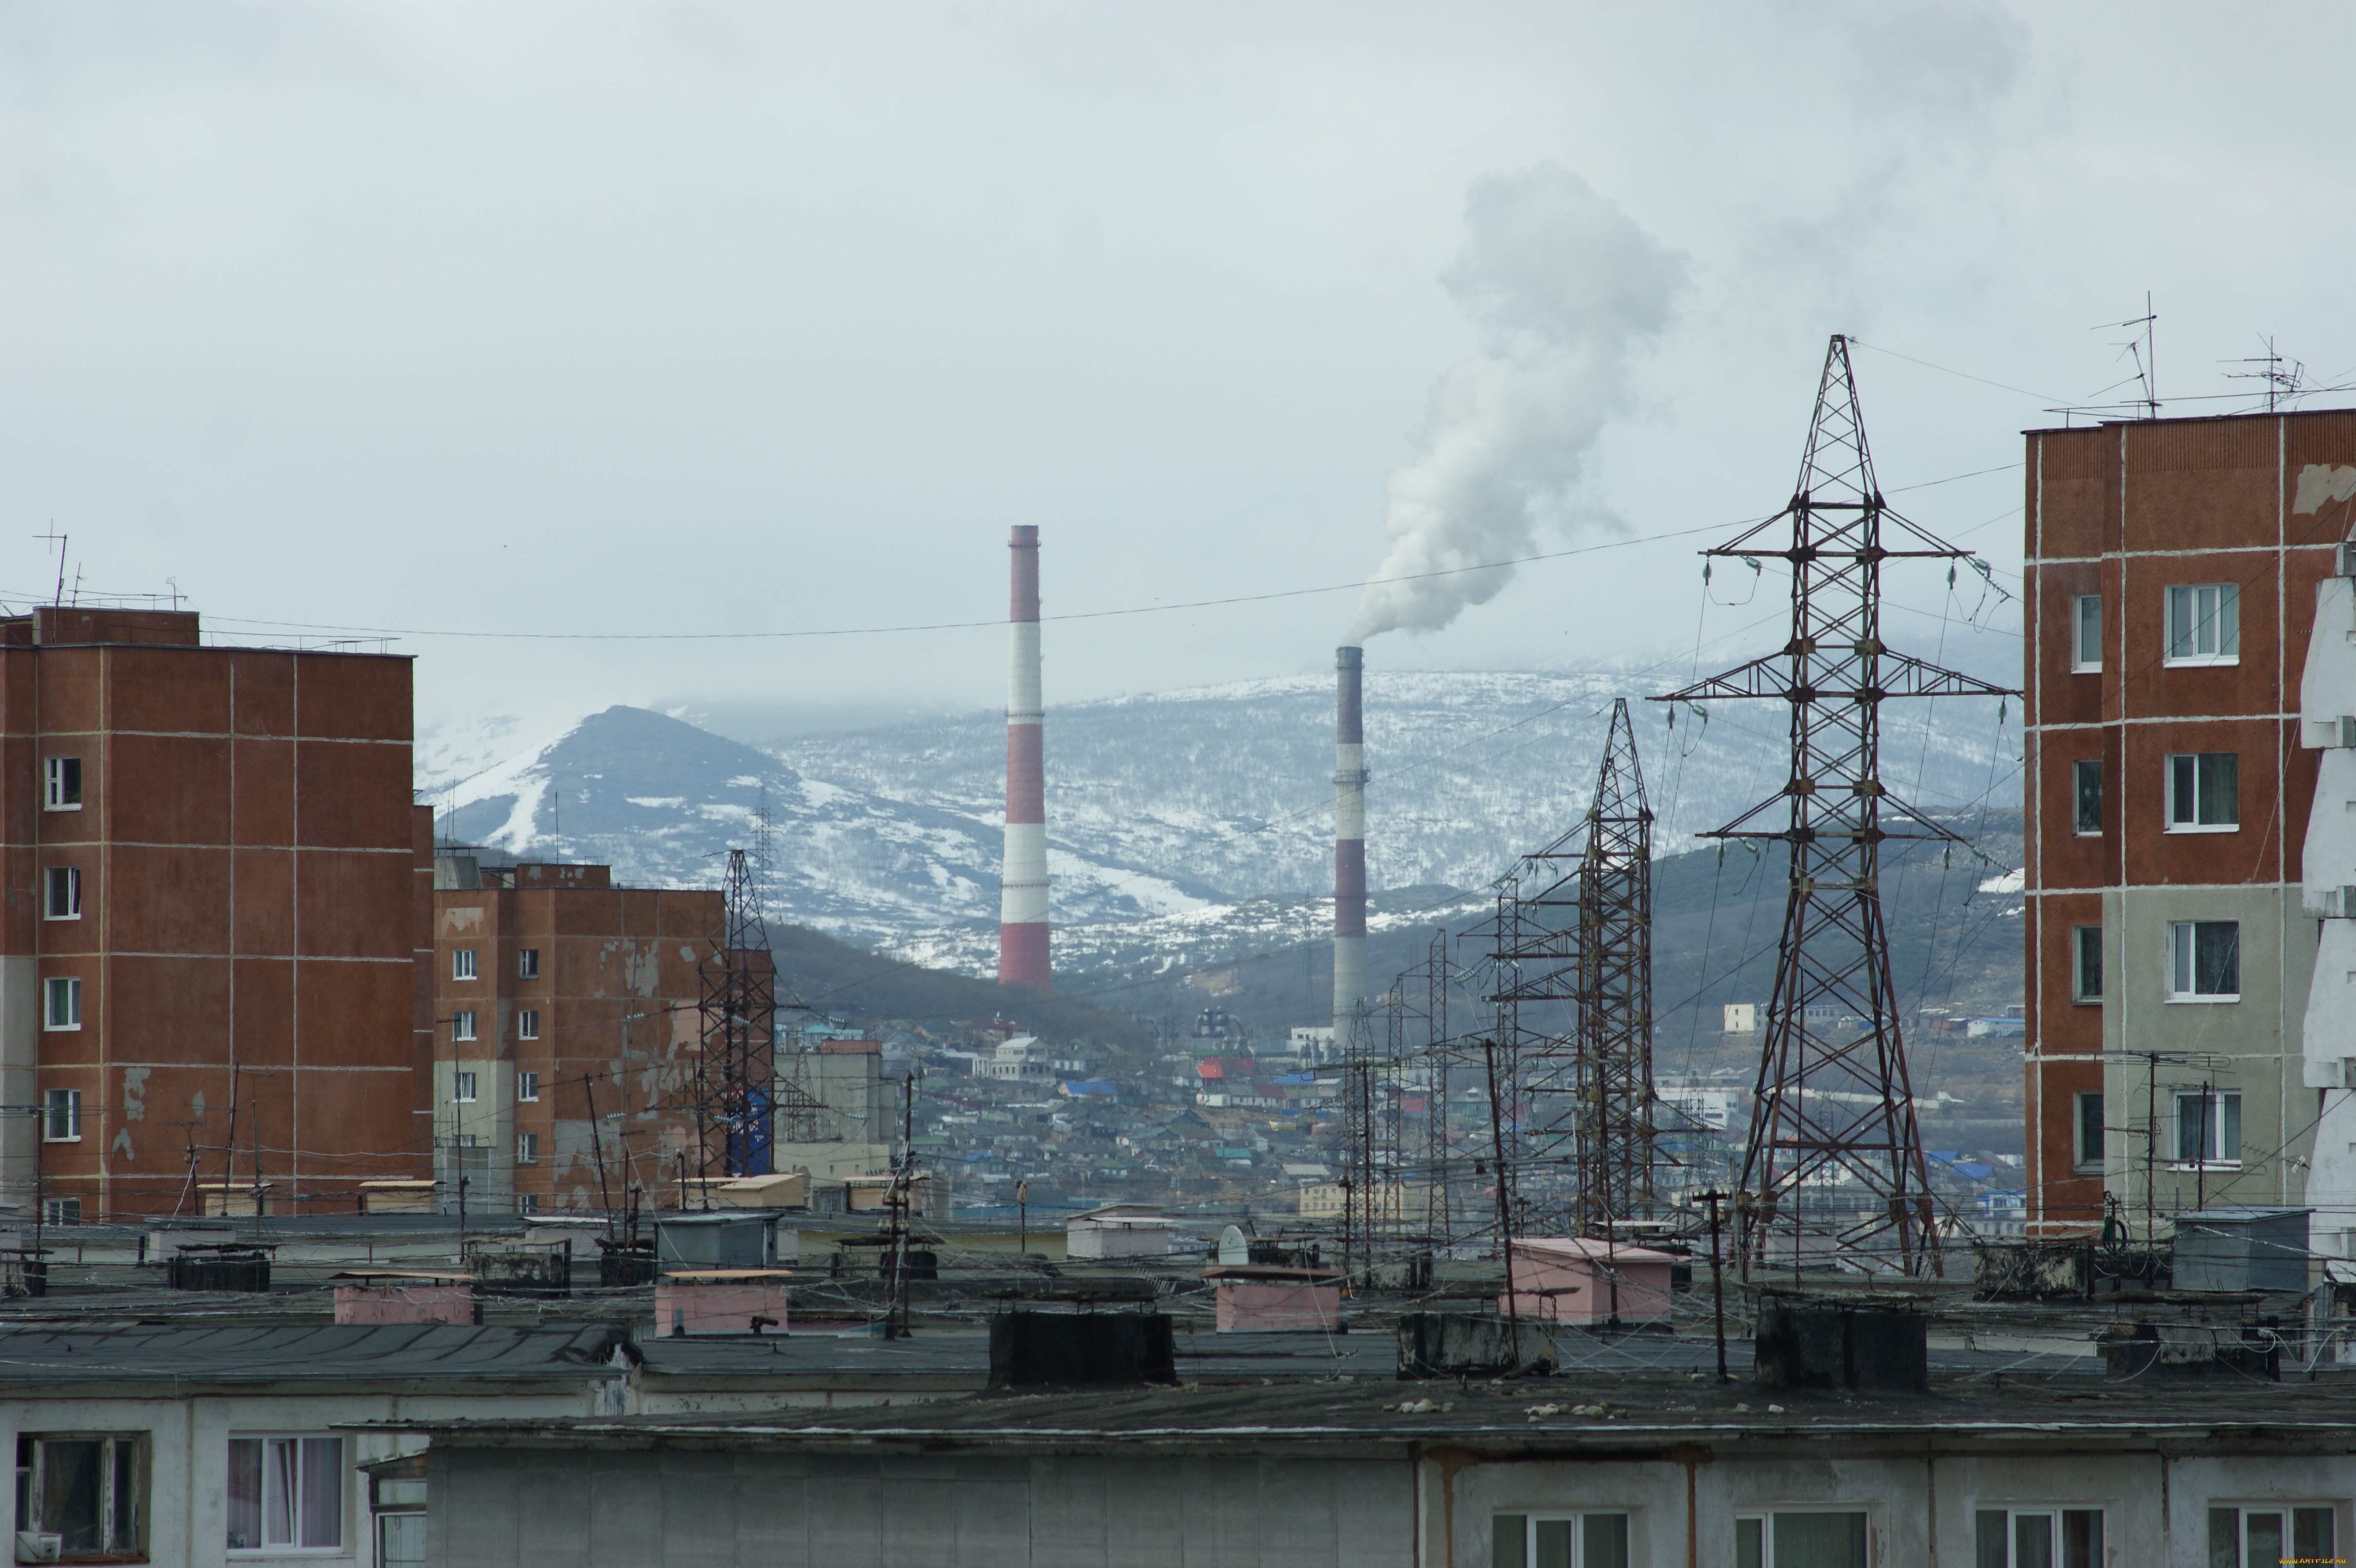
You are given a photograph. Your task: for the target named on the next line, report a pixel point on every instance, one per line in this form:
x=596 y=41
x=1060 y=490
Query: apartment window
x=63 y=894
x=88 y=1489
x=462 y=1024
x=2207 y=1127
x=526 y=964
x=462 y=965
x=527 y=1086
x=398 y=1499
x=61 y=1116
x=61 y=1002
x=1800 y=1540
x=2204 y=791
x=2086 y=794
x=526 y=1203
x=64 y=786
x=526 y=1148
x=462 y=1088
x=2086 y=634
x=2204 y=624
x=61 y=1211
x=2264 y=1537
x=527 y=1023
x=2204 y=960
x=286 y=1494
x=2038 y=1538
x=1560 y=1540
x=2090 y=1131
x=2086 y=962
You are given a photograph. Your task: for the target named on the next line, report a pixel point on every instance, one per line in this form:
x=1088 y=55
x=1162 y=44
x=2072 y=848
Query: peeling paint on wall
x=2320 y=483
x=135 y=1094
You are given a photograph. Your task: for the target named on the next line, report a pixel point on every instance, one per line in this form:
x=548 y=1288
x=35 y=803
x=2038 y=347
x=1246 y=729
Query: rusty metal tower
x=735 y=1076
x=1614 y=1058
x=1835 y=1159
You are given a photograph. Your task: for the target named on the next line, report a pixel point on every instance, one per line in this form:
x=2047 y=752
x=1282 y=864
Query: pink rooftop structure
x=1578 y=1279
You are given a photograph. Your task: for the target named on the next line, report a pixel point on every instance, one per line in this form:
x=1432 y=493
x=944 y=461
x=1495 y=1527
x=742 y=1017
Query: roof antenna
x=2145 y=354
x=2280 y=384
x=58 y=539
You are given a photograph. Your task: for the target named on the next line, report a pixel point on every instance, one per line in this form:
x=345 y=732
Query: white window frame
x=2287 y=1510
x=462 y=1088
x=68 y=879
x=1575 y=1551
x=2083 y=1158
x=29 y=1481
x=67 y=1100
x=526 y=1148
x=2086 y=616
x=303 y=1459
x=2225 y=1111
x=60 y=1004
x=2056 y=1516
x=526 y=964
x=2078 y=771
x=528 y=1088
x=2081 y=938
x=462 y=963
x=2175 y=793
x=2183 y=964
x=2211 y=612
x=527 y=1023
x=1765 y=1518
x=61 y=784
x=462 y=1023
x=61 y=1211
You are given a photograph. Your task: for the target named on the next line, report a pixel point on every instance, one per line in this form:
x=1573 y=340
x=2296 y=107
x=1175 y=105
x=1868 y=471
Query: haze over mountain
x=1185 y=819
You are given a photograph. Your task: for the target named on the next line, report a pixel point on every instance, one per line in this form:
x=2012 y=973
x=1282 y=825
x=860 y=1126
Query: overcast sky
x=692 y=317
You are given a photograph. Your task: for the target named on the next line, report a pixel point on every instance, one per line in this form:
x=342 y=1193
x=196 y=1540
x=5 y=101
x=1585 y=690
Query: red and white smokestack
x=1349 y=835
x=1023 y=885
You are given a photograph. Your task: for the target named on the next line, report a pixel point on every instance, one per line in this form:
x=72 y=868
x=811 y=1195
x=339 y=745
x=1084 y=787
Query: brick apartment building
x=217 y=890
x=566 y=1032
x=2184 y=1048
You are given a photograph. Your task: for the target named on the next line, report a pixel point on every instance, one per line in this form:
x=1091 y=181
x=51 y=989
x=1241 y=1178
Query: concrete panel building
x=1668 y=1475
x=566 y=1030
x=2174 y=568
x=209 y=959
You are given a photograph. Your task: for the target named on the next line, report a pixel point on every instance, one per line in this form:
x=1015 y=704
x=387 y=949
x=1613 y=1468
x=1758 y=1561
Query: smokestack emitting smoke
x=1349 y=836
x=1023 y=884
x=1565 y=289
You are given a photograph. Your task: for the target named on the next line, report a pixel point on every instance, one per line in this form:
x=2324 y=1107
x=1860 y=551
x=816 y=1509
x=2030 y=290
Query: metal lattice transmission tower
x=1532 y=1055
x=1370 y=1151
x=735 y=1076
x=1615 y=1136
x=1833 y=1153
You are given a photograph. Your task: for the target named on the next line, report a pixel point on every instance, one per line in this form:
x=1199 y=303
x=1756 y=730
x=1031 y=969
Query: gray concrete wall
x=2253 y=1046
x=552 y=1508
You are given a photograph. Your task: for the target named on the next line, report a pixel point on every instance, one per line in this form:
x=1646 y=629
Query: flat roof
x=318 y=1353
x=1628 y=1415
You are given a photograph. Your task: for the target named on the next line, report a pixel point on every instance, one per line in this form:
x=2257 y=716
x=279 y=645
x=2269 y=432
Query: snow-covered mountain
x=1190 y=810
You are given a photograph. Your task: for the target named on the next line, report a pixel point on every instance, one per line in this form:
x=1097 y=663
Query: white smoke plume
x=1565 y=288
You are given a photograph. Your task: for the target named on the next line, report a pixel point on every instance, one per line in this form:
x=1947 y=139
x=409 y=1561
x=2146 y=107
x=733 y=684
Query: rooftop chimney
x=1349 y=836
x=1022 y=896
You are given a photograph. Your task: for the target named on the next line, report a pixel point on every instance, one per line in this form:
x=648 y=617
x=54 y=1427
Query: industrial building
x=209 y=975
x=2189 y=679
x=567 y=1021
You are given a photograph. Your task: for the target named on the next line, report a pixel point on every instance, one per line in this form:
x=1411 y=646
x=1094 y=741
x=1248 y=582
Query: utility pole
x=1834 y=1103
x=1717 y=1281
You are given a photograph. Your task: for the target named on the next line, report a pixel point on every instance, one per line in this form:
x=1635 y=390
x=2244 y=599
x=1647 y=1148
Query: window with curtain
x=286 y=1494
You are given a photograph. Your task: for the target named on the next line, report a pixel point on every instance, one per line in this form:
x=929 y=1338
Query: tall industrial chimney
x=1349 y=836
x=1023 y=885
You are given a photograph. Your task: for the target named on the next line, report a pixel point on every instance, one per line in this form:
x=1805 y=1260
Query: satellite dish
x=1233 y=1248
